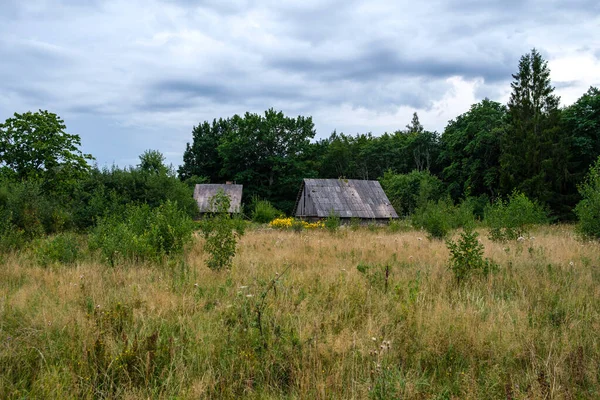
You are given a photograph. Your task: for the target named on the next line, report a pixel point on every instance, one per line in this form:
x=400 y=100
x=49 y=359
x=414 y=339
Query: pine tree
x=533 y=159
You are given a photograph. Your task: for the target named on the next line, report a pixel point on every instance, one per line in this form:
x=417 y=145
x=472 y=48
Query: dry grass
x=530 y=330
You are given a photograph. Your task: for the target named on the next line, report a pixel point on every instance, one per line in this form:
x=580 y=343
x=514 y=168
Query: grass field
x=295 y=318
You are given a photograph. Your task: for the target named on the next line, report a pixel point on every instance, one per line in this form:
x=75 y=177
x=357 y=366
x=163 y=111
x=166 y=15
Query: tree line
x=530 y=145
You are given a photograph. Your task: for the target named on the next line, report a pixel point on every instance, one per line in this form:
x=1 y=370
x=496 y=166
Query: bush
x=466 y=256
x=438 y=218
x=332 y=222
x=263 y=211
x=221 y=233
x=435 y=218
x=143 y=234
x=588 y=209
x=63 y=248
x=508 y=220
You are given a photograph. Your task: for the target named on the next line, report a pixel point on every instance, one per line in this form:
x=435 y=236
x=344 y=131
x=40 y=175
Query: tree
x=201 y=158
x=35 y=146
x=588 y=209
x=582 y=124
x=152 y=162
x=470 y=150
x=422 y=145
x=534 y=150
x=266 y=153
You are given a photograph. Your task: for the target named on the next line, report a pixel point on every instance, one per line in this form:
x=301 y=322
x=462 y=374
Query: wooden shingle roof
x=204 y=192
x=346 y=198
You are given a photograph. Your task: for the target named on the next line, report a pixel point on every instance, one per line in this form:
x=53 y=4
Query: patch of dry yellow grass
x=527 y=331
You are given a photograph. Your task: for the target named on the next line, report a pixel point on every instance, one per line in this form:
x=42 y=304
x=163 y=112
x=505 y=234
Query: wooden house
x=346 y=198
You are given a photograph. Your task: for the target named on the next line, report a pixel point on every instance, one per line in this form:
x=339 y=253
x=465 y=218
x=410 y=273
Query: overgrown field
x=308 y=315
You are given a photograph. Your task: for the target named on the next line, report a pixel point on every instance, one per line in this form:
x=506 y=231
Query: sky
x=132 y=75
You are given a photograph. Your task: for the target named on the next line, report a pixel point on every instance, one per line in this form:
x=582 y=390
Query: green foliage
x=511 y=219
x=332 y=222
x=152 y=162
x=434 y=218
x=64 y=248
x=35 y=147
x=142 y=234
x=26 y=213
x=263 y=211
x=221 y=233
x=407 y=192
x=438 y=218
x=588 y=209
x=534 y=151
x=266 y=153
x=111 y=190
x=466 y=256
x=398 y=225
x=470 y=150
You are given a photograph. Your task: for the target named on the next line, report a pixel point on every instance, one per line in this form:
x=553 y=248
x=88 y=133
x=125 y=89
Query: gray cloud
x=151 y=69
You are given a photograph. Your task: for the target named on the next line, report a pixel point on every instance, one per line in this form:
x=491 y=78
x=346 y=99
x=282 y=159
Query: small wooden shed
x=204 y=192
x=346 y=198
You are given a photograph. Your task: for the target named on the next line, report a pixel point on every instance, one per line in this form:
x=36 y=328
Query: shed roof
x=204 y=192
x=347 y=198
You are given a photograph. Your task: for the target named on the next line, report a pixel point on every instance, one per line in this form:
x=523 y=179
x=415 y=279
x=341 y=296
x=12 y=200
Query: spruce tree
x=533 y=158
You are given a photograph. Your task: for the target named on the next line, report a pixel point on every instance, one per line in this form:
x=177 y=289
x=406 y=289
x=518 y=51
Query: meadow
x=354 y=314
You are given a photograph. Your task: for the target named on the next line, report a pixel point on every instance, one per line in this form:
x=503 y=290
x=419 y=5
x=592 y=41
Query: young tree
x=35 y=146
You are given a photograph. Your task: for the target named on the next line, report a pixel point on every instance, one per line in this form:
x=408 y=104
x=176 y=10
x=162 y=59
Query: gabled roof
x=346 y=198
x=204 y=192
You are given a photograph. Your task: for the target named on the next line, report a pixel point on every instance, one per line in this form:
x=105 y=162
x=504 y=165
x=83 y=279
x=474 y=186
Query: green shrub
x=332 y=222
x=588 y=209
x=63 y=248
x=398 y=225
x=438 y=218
x=263 y=211
x=466 y=256
x=221 y=233
x=508 y=220
x=143 y=234
x=435 y=218
x=354 y=223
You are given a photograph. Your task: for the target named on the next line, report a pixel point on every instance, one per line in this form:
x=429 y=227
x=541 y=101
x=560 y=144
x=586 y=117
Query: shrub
x=588 y=209
x=511 y=219
x=332 y=222
x=434 y=217
x=263 y=211
x=63 y=248
x=466 y=256
x=143 y=234
x=220 y=233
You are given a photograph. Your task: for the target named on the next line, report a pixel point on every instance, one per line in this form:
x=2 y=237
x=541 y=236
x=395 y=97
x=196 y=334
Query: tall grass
x=325 y=330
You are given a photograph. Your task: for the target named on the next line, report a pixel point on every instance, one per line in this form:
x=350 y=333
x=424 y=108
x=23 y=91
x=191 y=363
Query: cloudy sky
x=130 y=75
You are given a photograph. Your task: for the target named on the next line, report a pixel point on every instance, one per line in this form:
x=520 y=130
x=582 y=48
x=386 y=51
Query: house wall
x=306 y=206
